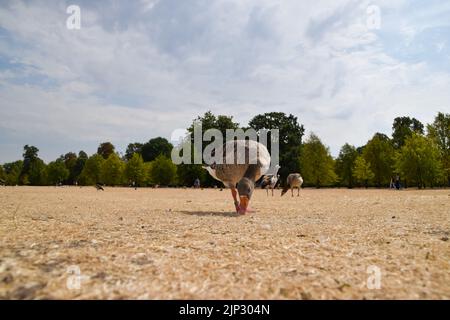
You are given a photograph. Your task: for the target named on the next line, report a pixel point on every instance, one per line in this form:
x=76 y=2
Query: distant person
x=392 y=184
x=397 y=182
x=197 y=183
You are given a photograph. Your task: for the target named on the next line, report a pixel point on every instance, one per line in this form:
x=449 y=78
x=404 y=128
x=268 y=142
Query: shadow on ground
x=210 y=213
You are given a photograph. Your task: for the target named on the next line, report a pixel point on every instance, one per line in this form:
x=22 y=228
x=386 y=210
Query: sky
x=135 y=70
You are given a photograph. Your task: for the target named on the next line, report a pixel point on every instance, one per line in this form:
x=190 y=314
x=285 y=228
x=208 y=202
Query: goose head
x=245 y=189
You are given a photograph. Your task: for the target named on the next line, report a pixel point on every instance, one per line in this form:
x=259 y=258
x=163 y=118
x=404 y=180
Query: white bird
x=241 y=176
x=270 y=180
x=294 y=180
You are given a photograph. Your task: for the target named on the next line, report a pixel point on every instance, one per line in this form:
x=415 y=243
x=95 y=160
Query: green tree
x=57 y=171
x=37 y=173
x=345 y=164
x=79 y=165
x=439 y=132
x=2 y=175
x=135 y=170
x=33 y=170
x=187 y=173
x=379 y=153
x=290 y=138
x=211 y=121
x=132 y=149
x=12 y=171
x=70 y=161
x=362 y=172
x=163 y=171
x=155 y=147
x=105 y=149
x=148 y=171
x=112 y=172
x=316 y=163
x=92 y=170
x=207 y=121
x=402 y=128
x=419 y=161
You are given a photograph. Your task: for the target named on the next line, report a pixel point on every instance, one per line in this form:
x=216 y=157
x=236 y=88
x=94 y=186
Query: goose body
x=229 y=174
x=294 y=180
x=99 y=187
x=270 y=180
x=243 y=163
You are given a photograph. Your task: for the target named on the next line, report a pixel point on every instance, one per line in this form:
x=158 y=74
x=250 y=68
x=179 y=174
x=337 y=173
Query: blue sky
x=140 y=69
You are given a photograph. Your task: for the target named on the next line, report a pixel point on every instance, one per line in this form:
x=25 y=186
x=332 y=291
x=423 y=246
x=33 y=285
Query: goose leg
x=292 y=192
x=236 y=202
x=298 y=192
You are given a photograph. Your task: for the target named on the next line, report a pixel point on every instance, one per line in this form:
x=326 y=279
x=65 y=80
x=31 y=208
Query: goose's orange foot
x=244 y=211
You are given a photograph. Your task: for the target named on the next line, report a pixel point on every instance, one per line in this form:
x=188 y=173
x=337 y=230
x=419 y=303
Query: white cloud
x=135 y=71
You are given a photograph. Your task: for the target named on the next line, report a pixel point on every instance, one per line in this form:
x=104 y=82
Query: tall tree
x=37 y=173
x=316 y=163
x=57 y=172
x=419 y=161
x=362 y=172
x=290 y=138
x=2 y=176
x=135 y=170
x=105 y=149
x=112 y=172
x=402 y=128
x=79 y=165
x=207 y=121
x=163 y=171
x=33 y=170
x=70 y=161
x=12 y=172
x=345 y=164
x=155 y=147
x=439 y=132
x=211 y=121
x=30 y=154
x=379 y=153
x=132 y=149
x=91 y=173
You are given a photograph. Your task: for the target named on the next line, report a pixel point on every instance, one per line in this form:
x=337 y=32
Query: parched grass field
x=79 y=243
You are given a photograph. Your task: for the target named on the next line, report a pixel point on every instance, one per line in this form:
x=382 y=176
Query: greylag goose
x=239 y=173
x=294 y=180
x=270 y=180
x=99 y=187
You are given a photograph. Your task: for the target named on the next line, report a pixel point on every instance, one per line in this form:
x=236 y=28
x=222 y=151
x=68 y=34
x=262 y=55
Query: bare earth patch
x=189 y=244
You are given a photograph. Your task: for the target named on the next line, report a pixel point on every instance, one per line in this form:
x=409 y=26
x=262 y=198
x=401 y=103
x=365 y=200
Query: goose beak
x=243 y=205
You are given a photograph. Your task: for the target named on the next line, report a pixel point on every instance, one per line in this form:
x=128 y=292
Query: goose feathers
x=236 y=157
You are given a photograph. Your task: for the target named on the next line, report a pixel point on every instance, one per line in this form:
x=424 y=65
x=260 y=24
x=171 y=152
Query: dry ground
x=184 y=243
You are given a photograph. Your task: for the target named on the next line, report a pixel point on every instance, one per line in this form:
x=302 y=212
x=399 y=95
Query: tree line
x=418 y=154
